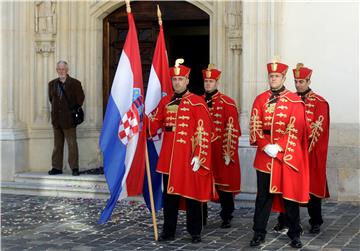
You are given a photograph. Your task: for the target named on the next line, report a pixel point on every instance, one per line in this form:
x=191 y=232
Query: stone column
x=13 y=133
x=45 y=33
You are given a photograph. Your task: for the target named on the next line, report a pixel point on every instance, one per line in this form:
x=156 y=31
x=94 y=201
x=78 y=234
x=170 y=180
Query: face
x=179 y=83
x=210 y=84
x=62 y=70
x=302 y=85
x=276 y=80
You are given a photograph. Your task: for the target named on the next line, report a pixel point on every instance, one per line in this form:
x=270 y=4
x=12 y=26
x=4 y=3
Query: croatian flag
x=123 y=134
x=159 y=86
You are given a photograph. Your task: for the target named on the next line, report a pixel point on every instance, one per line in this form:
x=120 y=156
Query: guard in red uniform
x=317 y=113
x=224 y=146
x=278 y=129
x=185 y=156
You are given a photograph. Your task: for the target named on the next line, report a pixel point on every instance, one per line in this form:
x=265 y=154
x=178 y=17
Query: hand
x=227 y=160
x=272 y=150
x=195 y=162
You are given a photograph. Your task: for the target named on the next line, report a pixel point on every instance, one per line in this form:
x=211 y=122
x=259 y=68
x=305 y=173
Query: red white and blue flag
x=123 y=135
x=159 y=85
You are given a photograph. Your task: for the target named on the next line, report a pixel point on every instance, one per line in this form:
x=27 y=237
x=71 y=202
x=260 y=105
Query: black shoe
x=296 y=242
x=195 y=239
x=225 y=224
x=166 y=237
x=54 y=171
x=315 y=229
x=257 y=240
x=279 y=227
x=75 y=172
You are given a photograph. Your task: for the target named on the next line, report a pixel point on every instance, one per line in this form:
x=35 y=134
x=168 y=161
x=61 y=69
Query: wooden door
x=186 y=30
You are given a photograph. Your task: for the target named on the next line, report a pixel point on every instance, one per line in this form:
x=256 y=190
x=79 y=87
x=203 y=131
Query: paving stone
x=53 y=223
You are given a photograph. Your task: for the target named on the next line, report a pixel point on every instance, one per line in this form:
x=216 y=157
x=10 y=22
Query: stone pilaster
x=45 y=30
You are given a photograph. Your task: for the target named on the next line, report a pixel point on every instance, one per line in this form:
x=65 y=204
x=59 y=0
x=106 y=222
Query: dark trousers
x=171 y=208
x=58 y=152
x=204 y=213
x=227 y=205
x=263 y=206
x=282 y=220
x=314 y=210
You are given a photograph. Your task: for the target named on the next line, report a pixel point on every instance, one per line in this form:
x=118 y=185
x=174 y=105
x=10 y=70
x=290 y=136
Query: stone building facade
x=244 y=36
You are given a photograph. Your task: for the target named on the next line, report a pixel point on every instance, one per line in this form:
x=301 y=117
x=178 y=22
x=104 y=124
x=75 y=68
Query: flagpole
x=151 y=193
x=128 y=10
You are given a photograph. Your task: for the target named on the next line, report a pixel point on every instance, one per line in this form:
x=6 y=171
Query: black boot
x=296 y=242
x=257 y=240
x=195 y=239
x=166 y=237
x=55 y=171
x=225 y=224
x=315 y=229
x=279 y=227
x=75 y=172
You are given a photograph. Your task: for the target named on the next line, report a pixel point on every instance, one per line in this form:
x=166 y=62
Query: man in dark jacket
x=65 y=92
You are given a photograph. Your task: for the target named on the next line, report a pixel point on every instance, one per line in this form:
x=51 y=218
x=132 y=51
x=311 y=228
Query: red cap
x=179 y=70
x=302 y=72
x=277 y=67
x=211 y=72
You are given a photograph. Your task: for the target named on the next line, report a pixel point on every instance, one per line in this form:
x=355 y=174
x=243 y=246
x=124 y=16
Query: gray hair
x=62 y=62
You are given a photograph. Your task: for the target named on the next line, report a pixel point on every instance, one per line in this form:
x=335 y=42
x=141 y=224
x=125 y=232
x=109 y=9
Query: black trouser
x=314 y=210
x=204 y=213
x=227 y=205
x=171 y=208
x=263 y=206
x=282 y=220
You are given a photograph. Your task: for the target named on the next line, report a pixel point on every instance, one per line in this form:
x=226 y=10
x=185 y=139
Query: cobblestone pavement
x=53 y=223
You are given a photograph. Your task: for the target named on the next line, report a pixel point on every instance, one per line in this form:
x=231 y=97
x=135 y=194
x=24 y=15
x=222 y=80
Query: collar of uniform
x=278 y=91
x=179 y=95
x=276 y=94
x=210 y=95
x=304 y=93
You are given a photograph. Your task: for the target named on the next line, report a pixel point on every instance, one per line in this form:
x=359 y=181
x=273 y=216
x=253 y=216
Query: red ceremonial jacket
x=225 y=140
x=283 y=123
x=187 y=133
x=317 y=112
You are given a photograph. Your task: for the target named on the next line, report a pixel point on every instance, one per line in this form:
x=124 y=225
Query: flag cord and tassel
x=151 y=194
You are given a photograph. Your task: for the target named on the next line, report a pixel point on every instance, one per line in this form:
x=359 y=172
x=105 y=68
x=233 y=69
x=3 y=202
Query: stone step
x=82 y=181
x=64 y=185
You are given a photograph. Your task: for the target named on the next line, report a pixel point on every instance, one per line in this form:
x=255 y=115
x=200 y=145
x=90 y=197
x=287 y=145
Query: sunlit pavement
x=53 y=223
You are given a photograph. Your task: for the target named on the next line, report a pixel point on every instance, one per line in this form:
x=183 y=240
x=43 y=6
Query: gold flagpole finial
x=128 y=8
x=159 y=15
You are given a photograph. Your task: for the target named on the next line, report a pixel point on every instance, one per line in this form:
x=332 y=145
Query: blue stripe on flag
x=114 y=157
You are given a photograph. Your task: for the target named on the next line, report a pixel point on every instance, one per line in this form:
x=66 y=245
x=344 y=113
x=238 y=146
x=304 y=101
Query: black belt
x=267 y=132
x=169 y=128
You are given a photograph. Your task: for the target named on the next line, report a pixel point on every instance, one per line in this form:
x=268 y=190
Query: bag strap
x=64 y=93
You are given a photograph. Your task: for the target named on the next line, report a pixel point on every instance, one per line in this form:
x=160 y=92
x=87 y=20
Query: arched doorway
x=186 y=30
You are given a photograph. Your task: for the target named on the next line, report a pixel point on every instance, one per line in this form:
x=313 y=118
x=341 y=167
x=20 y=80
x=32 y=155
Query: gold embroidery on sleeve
x=230 y=136
x=316 y=130
x=255 y=126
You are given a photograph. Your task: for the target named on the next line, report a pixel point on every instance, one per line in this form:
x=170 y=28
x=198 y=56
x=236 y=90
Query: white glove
x=272 y=150
x=195 y=162
x=227 y=160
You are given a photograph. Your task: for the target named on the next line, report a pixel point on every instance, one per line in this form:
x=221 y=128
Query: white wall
x=325 y=37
